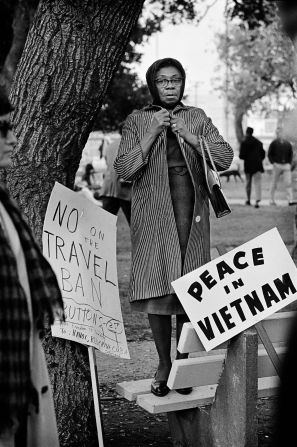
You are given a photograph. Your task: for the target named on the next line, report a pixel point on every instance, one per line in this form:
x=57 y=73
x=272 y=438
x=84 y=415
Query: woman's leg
x=248 y=187
x=276 y=172
x=180 y=320
x=161 y=329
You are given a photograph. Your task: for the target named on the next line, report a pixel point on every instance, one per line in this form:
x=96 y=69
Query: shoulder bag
x=213 y=183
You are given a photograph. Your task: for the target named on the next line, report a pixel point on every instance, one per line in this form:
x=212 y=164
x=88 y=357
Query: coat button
x=197 y=219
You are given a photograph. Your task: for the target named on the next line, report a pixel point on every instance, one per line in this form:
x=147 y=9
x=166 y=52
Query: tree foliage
x=124 y=94
x=253 y=12
x=260 y=63
x=259 y=12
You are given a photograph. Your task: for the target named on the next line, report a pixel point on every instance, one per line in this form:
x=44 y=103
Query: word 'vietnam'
x=254 y=303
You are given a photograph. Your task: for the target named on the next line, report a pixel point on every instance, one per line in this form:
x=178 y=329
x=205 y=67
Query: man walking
x=253 y=154
x=280 y=155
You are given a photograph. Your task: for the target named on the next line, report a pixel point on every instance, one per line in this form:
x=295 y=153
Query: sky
x=194 y=46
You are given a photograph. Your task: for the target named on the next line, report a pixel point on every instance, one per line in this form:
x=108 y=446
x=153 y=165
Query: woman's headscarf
x=151 y=77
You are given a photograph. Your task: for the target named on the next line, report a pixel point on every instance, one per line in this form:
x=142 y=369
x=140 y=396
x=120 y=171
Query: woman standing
x=170 y=233
x=29 y=295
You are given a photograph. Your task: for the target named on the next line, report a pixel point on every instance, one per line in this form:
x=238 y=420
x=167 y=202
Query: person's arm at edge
x=263 y=153
x=242 y=151
x=270 y=153
x=291 y=153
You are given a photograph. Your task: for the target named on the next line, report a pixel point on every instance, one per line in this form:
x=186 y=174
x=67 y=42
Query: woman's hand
x=161 y=120
x=178 y=126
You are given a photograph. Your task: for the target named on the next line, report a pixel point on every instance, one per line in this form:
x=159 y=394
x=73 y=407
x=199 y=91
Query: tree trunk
x=238 y=117
x=72 y=50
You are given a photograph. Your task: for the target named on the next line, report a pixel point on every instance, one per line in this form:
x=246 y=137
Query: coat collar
x=179 y=106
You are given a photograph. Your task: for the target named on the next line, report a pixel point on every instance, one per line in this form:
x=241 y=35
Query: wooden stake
x=96 y=396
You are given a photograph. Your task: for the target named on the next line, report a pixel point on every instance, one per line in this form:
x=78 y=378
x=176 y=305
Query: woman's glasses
x=5 y=127
x=164 y=82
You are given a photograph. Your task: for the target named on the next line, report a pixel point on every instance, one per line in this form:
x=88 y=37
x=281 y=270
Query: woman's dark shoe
x=187 y=390
x=159 y=387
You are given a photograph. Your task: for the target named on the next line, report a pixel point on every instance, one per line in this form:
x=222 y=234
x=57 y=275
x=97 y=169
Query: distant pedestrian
x=280 y=155
x=253 y=154
x=29 y=295
x=88 y=175
x=115 y=193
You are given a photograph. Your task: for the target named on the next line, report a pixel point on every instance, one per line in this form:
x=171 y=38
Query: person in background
x=253 y=154
x=29 y=295
x=84 y=191
x=88 y=174
x=170 y=232
x=280 y=155
x=115 y=193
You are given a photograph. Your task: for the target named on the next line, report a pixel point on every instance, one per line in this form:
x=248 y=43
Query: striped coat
x=156 y=256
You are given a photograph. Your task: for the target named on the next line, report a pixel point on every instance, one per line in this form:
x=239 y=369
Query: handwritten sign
x=79 y=240
x=238 y=289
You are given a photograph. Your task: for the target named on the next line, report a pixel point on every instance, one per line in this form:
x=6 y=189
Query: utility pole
x=226 y=73
x=196 y=93
x=157 y=46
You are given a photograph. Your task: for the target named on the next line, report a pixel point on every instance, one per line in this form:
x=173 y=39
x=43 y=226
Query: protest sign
x=79 y=240
x=237 y=290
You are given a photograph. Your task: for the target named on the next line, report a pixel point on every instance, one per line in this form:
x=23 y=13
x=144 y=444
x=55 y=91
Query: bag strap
x=205 y=165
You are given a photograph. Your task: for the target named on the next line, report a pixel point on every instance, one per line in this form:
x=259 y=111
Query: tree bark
x=72 y=50
x=238 y=117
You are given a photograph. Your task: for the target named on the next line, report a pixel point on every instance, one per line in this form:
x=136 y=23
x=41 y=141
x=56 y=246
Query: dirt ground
x=124 y=423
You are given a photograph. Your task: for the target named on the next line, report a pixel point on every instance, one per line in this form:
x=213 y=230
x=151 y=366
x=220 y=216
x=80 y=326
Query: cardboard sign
x=79 y=240
x=239 y=289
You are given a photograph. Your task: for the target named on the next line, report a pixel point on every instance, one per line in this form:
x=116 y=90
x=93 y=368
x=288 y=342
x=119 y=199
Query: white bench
x=237 y=374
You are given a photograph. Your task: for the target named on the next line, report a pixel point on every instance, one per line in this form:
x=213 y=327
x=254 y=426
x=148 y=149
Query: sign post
x=96 y=394
x=79 y=241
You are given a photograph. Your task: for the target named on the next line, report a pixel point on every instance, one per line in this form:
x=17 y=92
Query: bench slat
x=199 y=397
x=130 y=390
x=206 y=370
x=276 y=326
x=198 y=371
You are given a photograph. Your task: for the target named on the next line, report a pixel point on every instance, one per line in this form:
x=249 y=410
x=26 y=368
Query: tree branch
x=207 y=10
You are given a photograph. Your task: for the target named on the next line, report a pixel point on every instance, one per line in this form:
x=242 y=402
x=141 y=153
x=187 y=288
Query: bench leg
x=232 y=419
x=190 y=428
x=234 y=412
